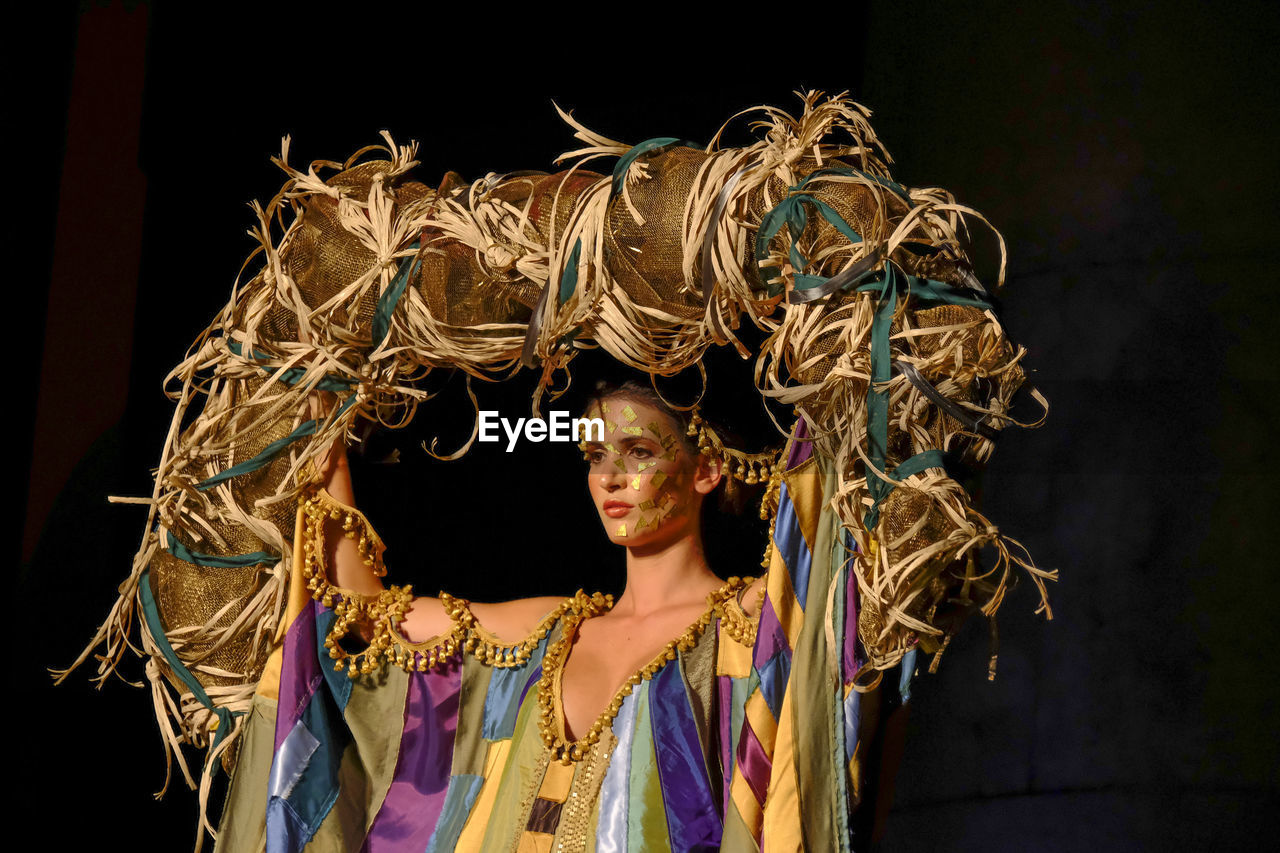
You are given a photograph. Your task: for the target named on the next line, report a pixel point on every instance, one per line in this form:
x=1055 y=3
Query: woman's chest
x=605 y=659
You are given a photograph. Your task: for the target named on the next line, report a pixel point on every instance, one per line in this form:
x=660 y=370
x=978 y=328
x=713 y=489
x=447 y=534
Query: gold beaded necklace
x=549 y=724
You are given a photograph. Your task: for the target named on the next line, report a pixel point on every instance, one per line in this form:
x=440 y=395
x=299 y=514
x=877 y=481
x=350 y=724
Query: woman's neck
x=660 y=576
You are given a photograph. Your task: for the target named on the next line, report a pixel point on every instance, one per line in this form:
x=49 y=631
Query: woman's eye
x=641 y=452
x=595 y=457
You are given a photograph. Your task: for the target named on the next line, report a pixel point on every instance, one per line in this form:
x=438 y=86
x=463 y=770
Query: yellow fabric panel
x=804 y=486
x=743 y=802
x=557 y=781
x=269 y=683
x=762 y=721
x=473 y=832
x=535 y=842
x=782 y=803
x=732 y=658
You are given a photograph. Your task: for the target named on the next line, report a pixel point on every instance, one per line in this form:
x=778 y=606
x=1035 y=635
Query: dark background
x=1126 y=153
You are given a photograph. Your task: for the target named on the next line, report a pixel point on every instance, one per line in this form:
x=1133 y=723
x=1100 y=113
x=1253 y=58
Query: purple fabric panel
x=800 y=450
x=769 y=636
x=300 y=674
x=693 y=817
x=852 y=660
x=412 y=806
x=724 y=691
x=754 y=762
x=533 y=679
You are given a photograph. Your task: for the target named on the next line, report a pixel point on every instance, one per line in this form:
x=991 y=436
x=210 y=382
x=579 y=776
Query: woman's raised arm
x=426 y=618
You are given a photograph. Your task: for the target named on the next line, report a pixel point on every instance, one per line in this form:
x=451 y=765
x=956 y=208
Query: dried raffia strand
x=584 y=608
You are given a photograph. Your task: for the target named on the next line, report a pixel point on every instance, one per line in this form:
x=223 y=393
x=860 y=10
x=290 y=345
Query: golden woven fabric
x=483 y=262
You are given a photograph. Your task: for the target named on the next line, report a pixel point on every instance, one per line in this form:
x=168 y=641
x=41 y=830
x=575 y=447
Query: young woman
x=645 y=723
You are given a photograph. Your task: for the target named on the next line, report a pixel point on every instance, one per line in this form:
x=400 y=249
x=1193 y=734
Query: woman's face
x=645 y=484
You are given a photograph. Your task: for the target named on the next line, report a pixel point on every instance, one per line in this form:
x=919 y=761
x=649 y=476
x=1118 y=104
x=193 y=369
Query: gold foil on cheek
x=643 y=465
x=670 y=455
x=629 y=413
x=659 y=477
x=643 y=523
x=622 y=529
x=635 y=483
x=647 y=503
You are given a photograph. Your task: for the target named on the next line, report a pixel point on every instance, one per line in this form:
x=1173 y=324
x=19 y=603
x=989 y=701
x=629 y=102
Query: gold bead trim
x=380 y=613
x=734 y=620
x=489 y=649
x=550 y=724
x=383 y=612
x=750 y=468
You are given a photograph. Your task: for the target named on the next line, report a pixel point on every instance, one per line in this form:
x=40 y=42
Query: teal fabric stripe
x=269 y=452
x=569 y=277
x=294 y=375
x=458 y=802
x=625 y=161
x=152 y=614
x=391 y=297
x=182 y=552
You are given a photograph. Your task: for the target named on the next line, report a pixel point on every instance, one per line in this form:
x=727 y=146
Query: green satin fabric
x=646 y=816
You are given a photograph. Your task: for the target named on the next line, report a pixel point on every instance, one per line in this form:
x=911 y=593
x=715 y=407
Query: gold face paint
x=639 y=472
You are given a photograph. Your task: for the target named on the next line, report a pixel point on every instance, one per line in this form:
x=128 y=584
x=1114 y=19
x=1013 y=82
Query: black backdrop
x=1127 y=156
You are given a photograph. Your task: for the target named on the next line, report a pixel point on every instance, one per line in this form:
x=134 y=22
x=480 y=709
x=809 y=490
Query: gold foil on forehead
x=609 y=447
x=604 y=406
x=636 y=431
x=610 y=426
x=629 y=413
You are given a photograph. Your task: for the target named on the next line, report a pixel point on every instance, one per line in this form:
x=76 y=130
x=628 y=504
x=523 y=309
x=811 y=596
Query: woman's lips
x=616 y=509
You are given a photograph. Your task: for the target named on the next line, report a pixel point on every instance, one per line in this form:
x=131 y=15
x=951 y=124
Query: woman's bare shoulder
x=510 y=621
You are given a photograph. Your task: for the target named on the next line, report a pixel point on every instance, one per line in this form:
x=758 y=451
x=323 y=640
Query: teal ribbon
x=896 y=188
x=792 y=212
x=271 y=450
x=293 y=375
x=889 y=287
x=152 y=614
x=637 y=151
x=391 y=296
x=569 y=276
x=182 y=552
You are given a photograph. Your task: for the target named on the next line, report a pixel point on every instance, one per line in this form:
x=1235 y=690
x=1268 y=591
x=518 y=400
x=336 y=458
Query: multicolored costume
x=742 y=734
x=880 y=339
